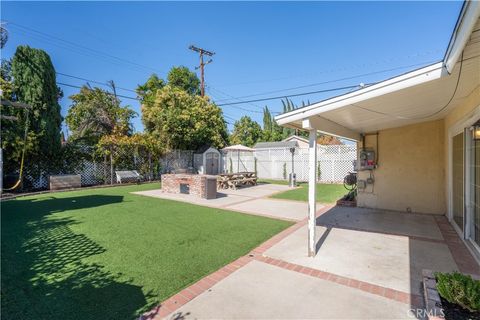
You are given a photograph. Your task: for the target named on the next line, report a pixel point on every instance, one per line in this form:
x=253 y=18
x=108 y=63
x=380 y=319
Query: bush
x=459 y=289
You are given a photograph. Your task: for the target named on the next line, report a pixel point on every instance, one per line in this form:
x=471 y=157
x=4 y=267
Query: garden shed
x=206 y=160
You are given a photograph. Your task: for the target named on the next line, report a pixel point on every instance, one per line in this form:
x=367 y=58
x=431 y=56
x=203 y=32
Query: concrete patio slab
x=262 y=291
x=386 y=260
x=252 y=200
x=293 y=210
x=260 y=190
x=419 y=225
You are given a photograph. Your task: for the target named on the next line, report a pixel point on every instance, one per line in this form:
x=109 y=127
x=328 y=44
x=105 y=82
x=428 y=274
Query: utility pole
x=202 y=65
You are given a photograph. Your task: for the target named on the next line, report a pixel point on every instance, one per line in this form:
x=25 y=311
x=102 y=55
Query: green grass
x=326 y=193
x=108 y=254
x=272 y=181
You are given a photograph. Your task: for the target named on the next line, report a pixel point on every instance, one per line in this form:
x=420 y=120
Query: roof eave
x=409 y=79
x=466 y=22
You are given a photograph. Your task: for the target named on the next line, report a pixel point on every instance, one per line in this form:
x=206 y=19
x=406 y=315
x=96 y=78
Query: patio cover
x=421 y=95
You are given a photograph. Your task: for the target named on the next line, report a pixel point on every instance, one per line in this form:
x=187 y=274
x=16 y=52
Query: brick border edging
x=466 y=263
x=433 y=304
x=392 y=294
x=191 y=292
x=184 y=296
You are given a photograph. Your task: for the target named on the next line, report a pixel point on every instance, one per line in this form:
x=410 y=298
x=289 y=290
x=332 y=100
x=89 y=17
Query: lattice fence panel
x=334 y=162
x=97 y=170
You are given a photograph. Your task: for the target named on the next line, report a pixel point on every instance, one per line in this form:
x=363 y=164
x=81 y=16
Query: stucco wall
x=413 y=164
x=410 y=173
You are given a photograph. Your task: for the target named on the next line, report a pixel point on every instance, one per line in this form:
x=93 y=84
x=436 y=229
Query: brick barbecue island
x=200 y=185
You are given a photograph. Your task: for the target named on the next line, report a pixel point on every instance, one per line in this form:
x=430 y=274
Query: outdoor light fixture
x=476 y=131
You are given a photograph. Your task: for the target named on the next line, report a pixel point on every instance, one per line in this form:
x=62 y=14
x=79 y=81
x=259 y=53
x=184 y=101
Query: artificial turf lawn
x=326 y=193
x=108 y=254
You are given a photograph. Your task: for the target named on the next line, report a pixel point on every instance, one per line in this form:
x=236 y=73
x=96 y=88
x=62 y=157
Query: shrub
x=459 y=289
x=319 y=171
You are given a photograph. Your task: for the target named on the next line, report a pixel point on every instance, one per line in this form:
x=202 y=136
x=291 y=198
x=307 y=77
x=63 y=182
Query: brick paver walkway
x=465 y=262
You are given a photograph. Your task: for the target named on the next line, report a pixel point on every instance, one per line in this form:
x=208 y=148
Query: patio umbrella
x=239 y=148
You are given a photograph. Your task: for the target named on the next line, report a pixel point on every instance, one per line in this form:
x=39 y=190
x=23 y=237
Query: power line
x=237 y=107
x=79 y=87
x=328 y=81
x=293 y=95
x=427 y=116
x=98 y=52
x=357 y=66
x=93 y=81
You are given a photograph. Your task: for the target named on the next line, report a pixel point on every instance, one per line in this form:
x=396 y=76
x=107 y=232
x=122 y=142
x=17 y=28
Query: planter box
x=433 y=304
x=65 y=181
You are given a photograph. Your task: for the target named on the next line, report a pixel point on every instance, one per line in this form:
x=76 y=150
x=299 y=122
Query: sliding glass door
x=472 y=212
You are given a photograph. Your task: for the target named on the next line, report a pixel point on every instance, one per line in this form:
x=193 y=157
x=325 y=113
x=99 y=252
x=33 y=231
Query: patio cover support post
x=312 y=201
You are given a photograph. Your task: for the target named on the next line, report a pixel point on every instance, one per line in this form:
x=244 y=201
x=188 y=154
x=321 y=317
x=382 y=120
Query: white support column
x=312 y=201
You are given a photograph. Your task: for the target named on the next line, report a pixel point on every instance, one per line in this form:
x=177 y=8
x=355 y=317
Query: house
x=418 y=136
x=277 y=144
x=301 y=142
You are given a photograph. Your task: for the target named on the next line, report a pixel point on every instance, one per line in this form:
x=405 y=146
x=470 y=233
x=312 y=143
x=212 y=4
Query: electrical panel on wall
x=367 y=159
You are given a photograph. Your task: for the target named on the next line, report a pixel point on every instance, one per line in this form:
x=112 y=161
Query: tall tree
x=246 y=132
x=34 y=83
x=95 y=113
x=147 y=91
x=267 y=125
x=184 y=121
x=181 y=77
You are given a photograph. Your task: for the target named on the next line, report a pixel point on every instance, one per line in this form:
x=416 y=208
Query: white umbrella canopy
x=239 y=148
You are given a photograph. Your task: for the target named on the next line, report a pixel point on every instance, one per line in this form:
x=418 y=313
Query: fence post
x=150 y=173
x=104 y=169
x=111 y=169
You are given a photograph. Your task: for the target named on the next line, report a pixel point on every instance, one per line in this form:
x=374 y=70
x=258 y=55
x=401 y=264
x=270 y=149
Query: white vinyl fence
x=334 y=162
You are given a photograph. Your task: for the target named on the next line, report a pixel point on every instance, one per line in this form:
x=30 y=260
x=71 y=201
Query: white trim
x=407 y=80
x=312 y=185
x=455 y=129
x=466 y=22
x=329 y=127
x=295 y=137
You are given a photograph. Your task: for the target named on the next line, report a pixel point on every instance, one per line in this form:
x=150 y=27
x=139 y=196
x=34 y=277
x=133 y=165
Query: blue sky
x=260 y=46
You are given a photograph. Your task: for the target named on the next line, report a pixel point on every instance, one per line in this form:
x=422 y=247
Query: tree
x=30 y=78
x=6 y=80
x=246 y=132
x=34 y=80
x=147 y=91
x=184 y=121
x=267 y=125
x=328 y=140
x=181 y=77
x=95 y=113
